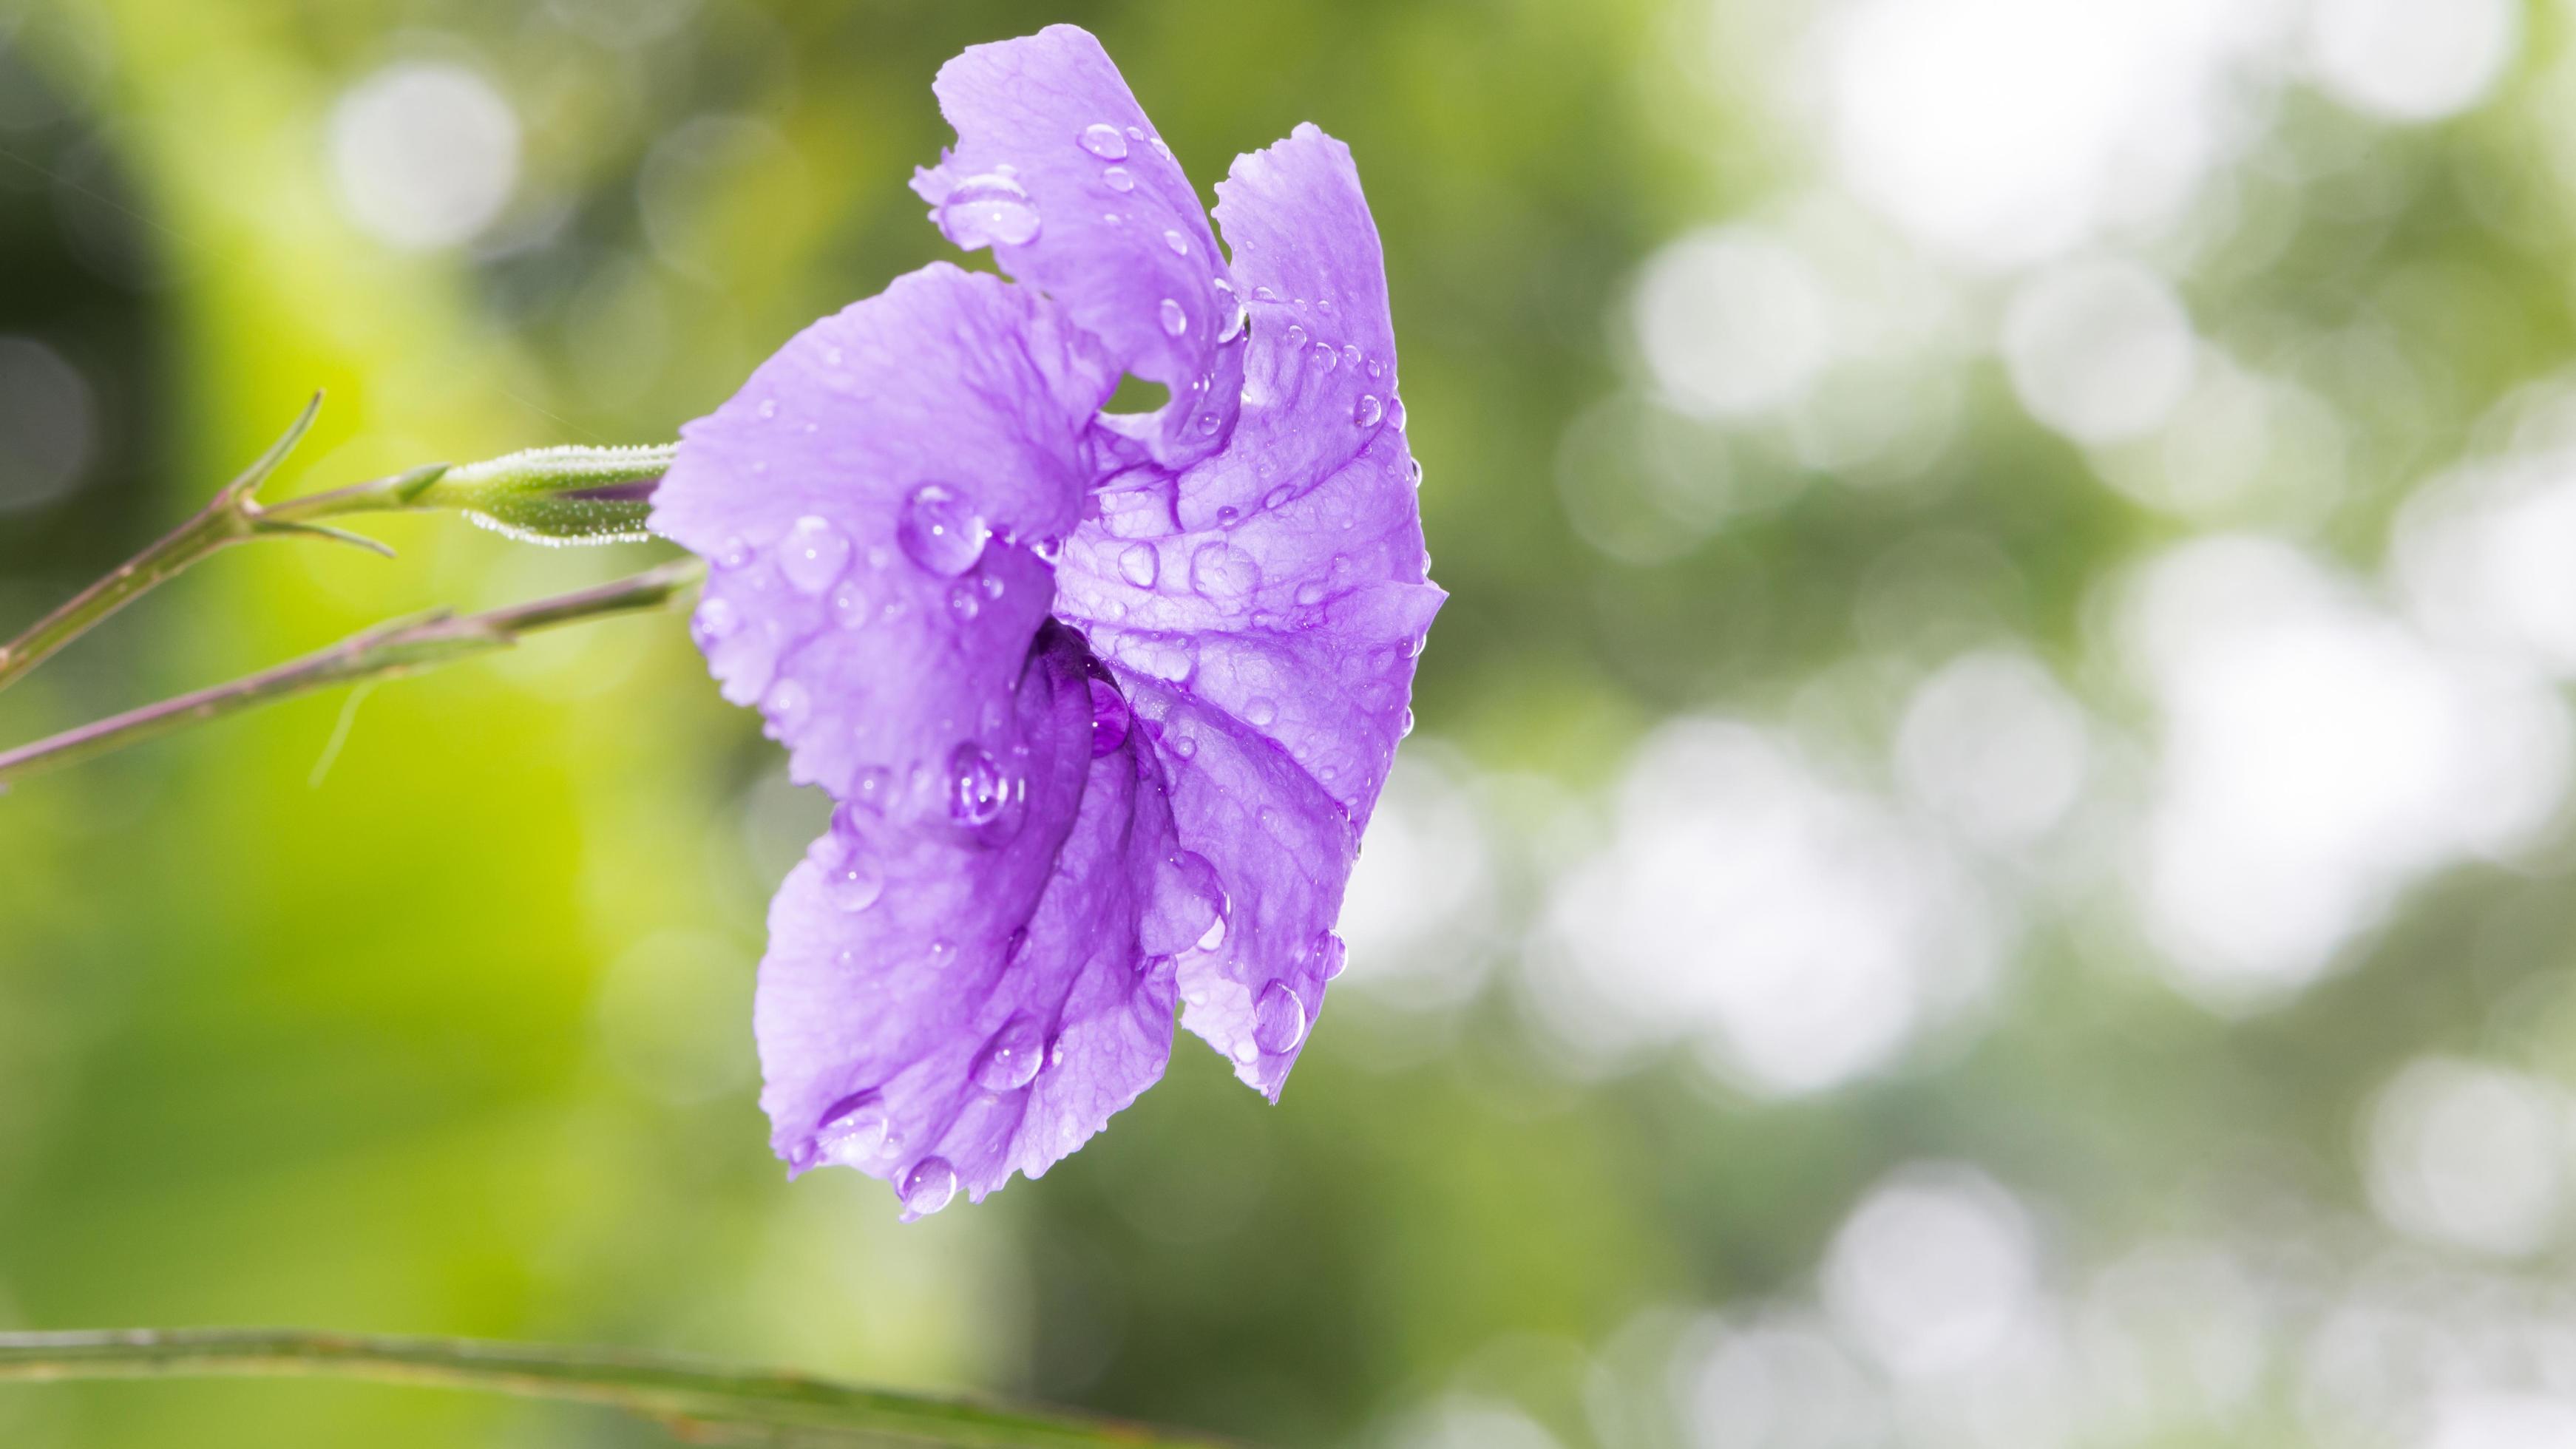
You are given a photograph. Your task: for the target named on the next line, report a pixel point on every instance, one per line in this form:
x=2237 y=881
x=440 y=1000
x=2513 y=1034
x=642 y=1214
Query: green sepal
x=557 y=496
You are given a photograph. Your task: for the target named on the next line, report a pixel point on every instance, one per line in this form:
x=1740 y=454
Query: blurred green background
x=1985 y=861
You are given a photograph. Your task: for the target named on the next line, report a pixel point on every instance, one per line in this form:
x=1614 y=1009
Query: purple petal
x=1058 y=170
x=880 y=502
x=1268 y=646
x=941 y=1011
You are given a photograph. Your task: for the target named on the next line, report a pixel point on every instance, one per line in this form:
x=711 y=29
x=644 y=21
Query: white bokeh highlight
x=1936 y=1272
x=1991 y=744
x=2469 y=1156
x=1733 y=322
x=2100 y=351
x=424 y=154
x=1798 y=933
x=2411 y=60
x=2317 y=756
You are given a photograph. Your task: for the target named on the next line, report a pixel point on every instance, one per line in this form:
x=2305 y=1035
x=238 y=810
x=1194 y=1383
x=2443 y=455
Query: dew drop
x=854 y=1130
x=963 y=604
x=850 y=606
x=734 y=554
x=1109 y=718
x=873 y=788
x=940 y=952
x=1369 y=411
x=714 y=622
x=814 y=555
x=787 y=705
x=1351 y=354
x=1223 y=574
x=1010 y=1060
x=1139 y=564
x=1103 y=140
x=982 y=210
x=929 y=1186
x=1395 y=412
x=1264 y=294
x=1117 y=179
x=1278 y=1019
x=1259 y=713
x=769 y=407
x=1325 y=357
x=1175 y=321
x=976 y=789
x=941 y=531
x=1179 y=244
x=853 y=885
x=1374 y=370
x=1135 y=133
x=1296 y=335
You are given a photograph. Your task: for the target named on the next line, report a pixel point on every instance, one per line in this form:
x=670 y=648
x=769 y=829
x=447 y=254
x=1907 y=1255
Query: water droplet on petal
x=1109 y=718
x=963 y=603
x=814 y=555
x=1011 y=1059
x=769 y=407
x=733 y=555
x=1278 y=1019
x=941 y=531
x=1223 y=574
x=873 y=788
x=1259 y=713
x=940 y=952
x=1325 y=357
x=1102 y=139
x=1139 y=564
x=1179 y=244
x=928 y=1186
x=850 y=606
x=854 y=1130
x=1374 y=370
x=1264 y=294
x=1117 y=179
x=1369 y=411
x=1135 y=133
x=1395 y=412
x=853 y=885
x=714 y=622
x=1351 y=354
x=1296 y=335
x=976 y=789
x=1175 y=321
x=982 y=210
x=787 y=705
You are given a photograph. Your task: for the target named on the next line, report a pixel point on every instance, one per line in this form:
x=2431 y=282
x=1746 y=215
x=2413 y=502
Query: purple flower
x=1104 y=699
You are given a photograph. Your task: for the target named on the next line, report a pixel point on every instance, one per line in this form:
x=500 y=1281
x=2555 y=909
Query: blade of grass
x=701 y=1401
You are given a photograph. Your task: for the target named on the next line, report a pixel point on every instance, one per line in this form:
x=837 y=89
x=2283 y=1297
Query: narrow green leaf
x=705 y=1403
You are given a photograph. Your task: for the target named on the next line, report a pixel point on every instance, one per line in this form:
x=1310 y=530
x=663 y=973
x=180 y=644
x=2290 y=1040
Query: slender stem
x=384 y=652
x=706 y=1403
x=556 y=495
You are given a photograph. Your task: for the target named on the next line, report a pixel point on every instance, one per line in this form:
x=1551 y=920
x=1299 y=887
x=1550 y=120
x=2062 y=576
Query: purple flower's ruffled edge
x=941 y=420
x=994 y=1005
x=1263 y=608
x=1057 y=169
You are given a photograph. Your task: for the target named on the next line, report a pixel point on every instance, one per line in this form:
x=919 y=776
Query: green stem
x=550 y=494
x=704 y=1402
x=384 y=652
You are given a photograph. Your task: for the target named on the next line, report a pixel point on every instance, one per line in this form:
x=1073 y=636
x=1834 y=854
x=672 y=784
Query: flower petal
x=940 y=1012
x=882 y=501
x=1319 y=374
x=1263 y=608
x=1058 y=170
